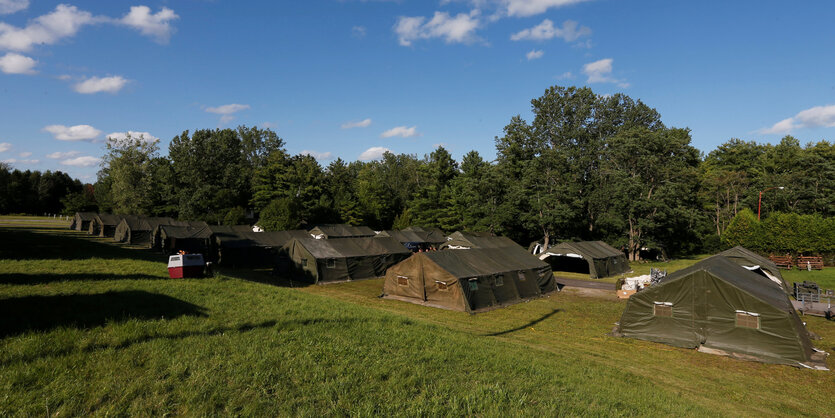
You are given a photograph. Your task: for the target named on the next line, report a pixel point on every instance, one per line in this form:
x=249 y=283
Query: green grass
x=90 y=327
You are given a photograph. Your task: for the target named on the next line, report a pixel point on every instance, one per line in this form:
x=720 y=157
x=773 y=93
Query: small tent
x=413 y=240
x=81 y=221
x=596 y=258
x=321 y=261
x=139 y=230
x=156 y=240
x=331 y=231
x=104 y=225
x=469 y=280
x=720 y=307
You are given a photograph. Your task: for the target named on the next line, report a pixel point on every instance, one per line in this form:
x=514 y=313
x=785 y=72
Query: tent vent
x=499 y=280
x=746 y=319
x=663 y=309
x=331 y=263
x=473 y=284
x=521 y=275
x=442 y=285
x=402 y=280
x=304 y=262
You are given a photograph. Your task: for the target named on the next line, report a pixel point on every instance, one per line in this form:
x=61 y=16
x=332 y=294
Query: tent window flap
x=746 y=319
x=662 y=309
x=402 y=280
x=441 y=285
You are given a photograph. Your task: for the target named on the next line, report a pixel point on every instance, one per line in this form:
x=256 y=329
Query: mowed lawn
x=88 y=326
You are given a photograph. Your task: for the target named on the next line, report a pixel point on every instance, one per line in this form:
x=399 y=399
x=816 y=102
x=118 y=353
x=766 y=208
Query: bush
x=280 y=215
x=235 y=216
x=782 y=233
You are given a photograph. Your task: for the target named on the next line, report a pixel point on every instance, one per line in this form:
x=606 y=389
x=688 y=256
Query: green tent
x=467 y=240
x=596 y=258
x=81 y=221
x=331 y=231
x=720 y=307
x=469 y=280
x=239 y=246
x=325 y=260
x=433 y=234
x=104 y=225
x=193 y=239
x=140 y=230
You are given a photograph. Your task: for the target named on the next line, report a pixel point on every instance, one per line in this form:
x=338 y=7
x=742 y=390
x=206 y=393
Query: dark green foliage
x=235 y=216
x=33 y=192
x=782 y=233
x=280 y=215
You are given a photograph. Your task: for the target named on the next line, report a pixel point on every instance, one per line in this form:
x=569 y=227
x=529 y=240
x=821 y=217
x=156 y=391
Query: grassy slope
x=112 y=335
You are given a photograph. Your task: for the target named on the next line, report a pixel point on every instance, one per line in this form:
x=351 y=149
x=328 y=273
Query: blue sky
x=350 y=79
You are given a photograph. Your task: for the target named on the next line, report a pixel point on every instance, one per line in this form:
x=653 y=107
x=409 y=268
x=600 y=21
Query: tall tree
x=126 y=167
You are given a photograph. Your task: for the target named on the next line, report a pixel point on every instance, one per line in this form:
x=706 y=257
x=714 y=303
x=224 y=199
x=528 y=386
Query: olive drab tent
x=240 y=247
x=81 y=221
x=140 y=230
x=414 y=240
x=331 y=231
x=156 y=242
x=192 y=239
x=721 y=307
x=596 y=258
x=334 y=260
x=469 y=280
x=104 y=225
x=433 y=234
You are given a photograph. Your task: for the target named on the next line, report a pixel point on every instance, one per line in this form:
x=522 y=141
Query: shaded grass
x=251 y=348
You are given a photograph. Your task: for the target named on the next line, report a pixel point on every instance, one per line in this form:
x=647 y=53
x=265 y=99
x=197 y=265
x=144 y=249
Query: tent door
x=700 y=295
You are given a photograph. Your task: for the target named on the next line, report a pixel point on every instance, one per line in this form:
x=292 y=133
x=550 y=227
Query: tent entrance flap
x=571 y=263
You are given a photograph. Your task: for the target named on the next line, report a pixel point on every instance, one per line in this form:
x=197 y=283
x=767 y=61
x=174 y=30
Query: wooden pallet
x=782 y=261
x=813 y=262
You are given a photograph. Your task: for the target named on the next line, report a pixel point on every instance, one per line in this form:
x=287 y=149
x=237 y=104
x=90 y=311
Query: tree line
x=33 y=192
x=587 y=166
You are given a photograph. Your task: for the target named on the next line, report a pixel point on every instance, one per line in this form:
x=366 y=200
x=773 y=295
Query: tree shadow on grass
x=38 y=278
x=265 y=276
x=27 y=244
x=280 y=326
x=528 y=325
x=43 y=313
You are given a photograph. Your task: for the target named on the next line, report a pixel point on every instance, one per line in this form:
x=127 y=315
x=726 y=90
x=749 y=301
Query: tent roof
x=591 y=249
x=742 y=253
x=246 y=238
x=109 y=219
x=352 y=247
x=483 y=261
x=480 y=240
x=174 y=231
x=404 y=236
x=728 y=271
x=342 y=230
x=435 y=234
x=86 y=216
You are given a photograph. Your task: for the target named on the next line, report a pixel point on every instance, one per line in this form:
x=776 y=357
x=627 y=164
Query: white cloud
x=569 y=32
x=142 y=136
x=601 y=72
x=25 y=154
x=268 y=125
x=64 y=21
x=85 y=161
x=564 y=76
x=458 y=29
x=64 y=77
x=317 y=155
x=534 y=54
x=12 y=6
x=12 y=63
x=373 y=153
x=227 y=109
x=818 y=116
x=156 y=25
x=523 y=8
x=358 y=32
x=401 y=131
x=24 y=162
x=61 y=155
x=357 y=124
x=5 y=146
x=94 y=85
x=73 y=133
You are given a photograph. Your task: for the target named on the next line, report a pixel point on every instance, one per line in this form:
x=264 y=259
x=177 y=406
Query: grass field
x=87 y=326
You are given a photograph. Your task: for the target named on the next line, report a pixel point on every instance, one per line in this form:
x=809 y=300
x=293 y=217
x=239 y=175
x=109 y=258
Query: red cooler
x=186 y=265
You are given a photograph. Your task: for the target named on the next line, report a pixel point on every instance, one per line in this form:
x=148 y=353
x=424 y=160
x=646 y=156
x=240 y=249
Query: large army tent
x=322 y=261
x=433 y=234
x=596 y=258
x=413 y=240
x=81 y=221
x=330 y=231
x=156 y=240
x=243 y=248
x=104 y=224
x=192 y=239
x=720 y=307
x=139 y=230
x=753 y=261
x=468 y=240
x=469 y=280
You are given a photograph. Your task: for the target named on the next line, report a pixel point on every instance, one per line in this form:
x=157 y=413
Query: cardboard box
x=625 y=294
